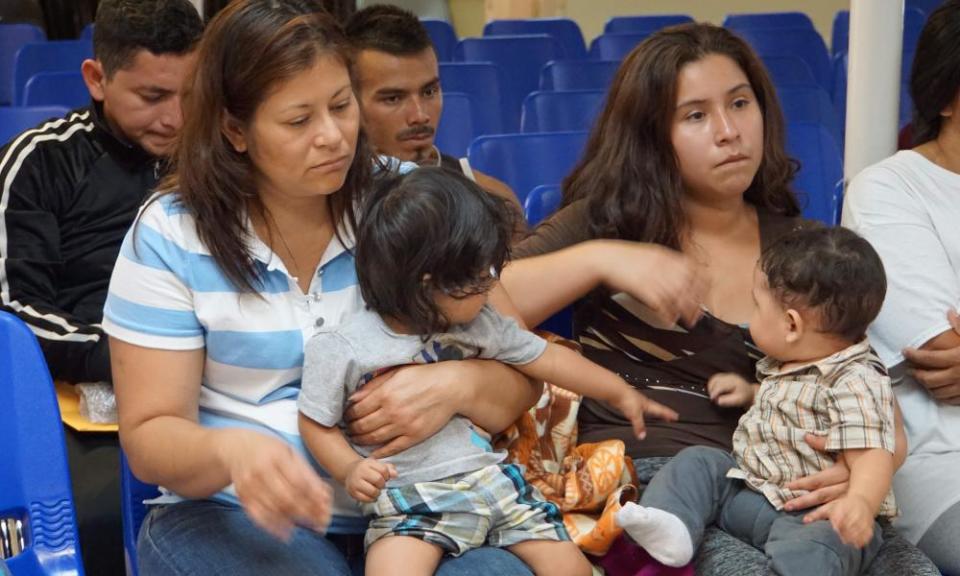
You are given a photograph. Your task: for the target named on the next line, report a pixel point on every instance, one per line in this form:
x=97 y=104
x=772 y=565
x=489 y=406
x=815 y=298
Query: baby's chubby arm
x=565 y=368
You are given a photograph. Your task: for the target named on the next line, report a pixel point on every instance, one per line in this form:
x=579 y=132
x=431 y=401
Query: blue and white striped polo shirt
x=167 y=292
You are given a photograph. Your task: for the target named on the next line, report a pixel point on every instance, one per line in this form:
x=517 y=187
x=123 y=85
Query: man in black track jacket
x=69 y=191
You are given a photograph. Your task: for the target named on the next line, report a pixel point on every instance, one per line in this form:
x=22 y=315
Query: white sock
x=661 y=534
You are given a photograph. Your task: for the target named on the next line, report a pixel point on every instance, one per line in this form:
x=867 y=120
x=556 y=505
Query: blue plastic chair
x=455 y=130
x=525 y=161
x=578 y=75
x=789 y=71
x=925 y=6
x=810 y=104
x=443 y=36
x=913 y=21
x=561 y=111
x=481 y=81
x=133 y=510
x=13 y=121
x=12 y=38
x=768 y=20
x=520 y=59
x=87 y=32
x=564 y=30
x=34 y=478
x=615 y=46
x=56 y=89
x=819 y=182
x=540 y=204
x=57 y=56
x=647 y=23
x=800 y=42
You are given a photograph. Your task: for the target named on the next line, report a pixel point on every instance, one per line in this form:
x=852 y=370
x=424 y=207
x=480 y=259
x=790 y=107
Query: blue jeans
x=209 y=538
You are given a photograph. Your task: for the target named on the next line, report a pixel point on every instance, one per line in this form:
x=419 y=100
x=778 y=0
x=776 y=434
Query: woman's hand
x=276 y=486
x=728 y=389
x=822 y=487
x=938 y=370
x=663 y=279
x=403 y=407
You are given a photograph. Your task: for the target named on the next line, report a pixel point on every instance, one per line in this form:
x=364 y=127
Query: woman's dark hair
x=629 y=173
x=832 y=271
x=431 y=229
x=249 y=48
x=935 y=75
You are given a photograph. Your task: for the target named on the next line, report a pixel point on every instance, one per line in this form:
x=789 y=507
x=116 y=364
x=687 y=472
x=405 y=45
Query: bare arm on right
x=157 y=400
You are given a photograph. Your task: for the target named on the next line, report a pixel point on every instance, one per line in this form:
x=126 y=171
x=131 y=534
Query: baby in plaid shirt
x=815 y=292
x=429 y=247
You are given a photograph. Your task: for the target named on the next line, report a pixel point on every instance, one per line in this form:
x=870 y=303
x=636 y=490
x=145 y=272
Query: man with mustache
x=71 y=189
x=400 y=95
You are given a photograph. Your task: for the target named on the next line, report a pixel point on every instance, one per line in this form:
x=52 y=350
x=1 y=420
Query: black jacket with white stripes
x=70 y=190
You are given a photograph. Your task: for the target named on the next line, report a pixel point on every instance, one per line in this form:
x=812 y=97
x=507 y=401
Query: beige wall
x=470 y=15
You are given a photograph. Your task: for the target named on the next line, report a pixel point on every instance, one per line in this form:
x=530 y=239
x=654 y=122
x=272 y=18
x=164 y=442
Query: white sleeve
x=884 y=207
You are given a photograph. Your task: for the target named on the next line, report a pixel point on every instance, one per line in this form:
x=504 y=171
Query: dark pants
x=94 y=460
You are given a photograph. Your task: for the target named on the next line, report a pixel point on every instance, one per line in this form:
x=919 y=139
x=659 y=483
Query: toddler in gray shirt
x=429 y=248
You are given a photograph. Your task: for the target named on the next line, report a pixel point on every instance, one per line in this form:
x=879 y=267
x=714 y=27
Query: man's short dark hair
x=435 y=222
x=388 y=29
x=833 y=272
x=124 y=27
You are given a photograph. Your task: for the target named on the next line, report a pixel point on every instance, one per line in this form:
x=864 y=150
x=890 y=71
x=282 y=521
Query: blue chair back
x=913 y=21
x=34 y=479
x=133 y=493
x=561 y=111
x=564 y=30
x=87 y=32
x=540 y=204
x=578 y=75
x=12 y=38
x=768 y=20
x=789 y=71
x=525 y=161
x=520 y=59
x=800 y=42
x=643 y=23
x=481 y=82
x=57 y=56
x=455 y=130
x=925 y=6
x=810 y=104
x=56 y=89
x=443 y=36
x=616 y=45
x=819 y=182
x=13 y=121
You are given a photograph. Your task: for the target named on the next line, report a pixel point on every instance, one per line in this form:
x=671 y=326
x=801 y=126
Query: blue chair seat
x=455 y=130
x=443 y=36
x=56 y=89
x=57 y=56
x=481 y=82
x=13 y=121
x=525 y=161
x=615 y=46
x=819 y=182
x=561 y=111
x=799 y=42
x=810 y=104
x=647 y=23
x=35 y=493
x=12 y=38
x=578 y=75
x=564 y=30
x=768 y=20
x=133 y=493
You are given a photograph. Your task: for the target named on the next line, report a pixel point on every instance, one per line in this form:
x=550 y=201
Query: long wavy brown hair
x=248 y=48
x=629 y=173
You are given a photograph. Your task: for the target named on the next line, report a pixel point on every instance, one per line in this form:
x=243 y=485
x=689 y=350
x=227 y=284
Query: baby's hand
x=634 y=405
x=728 y=390
x=367 y=478
x=851 y=517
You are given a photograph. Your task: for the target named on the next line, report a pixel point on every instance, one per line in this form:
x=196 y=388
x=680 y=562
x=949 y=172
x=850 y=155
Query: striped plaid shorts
x=492 y=506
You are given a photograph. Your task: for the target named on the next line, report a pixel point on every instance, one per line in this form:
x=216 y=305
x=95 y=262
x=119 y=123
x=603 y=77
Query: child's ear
x=795 y=326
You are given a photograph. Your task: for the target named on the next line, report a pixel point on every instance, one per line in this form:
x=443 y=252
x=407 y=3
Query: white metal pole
x=873 y=83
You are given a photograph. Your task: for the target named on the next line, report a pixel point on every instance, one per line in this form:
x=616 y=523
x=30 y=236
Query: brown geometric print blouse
x=669 y=364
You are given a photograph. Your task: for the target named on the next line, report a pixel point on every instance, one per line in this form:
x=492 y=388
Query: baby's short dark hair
x=831 y=271
x=430 y=223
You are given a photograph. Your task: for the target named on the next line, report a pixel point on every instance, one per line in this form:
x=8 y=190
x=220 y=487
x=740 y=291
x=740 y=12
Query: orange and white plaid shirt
x=846 y=397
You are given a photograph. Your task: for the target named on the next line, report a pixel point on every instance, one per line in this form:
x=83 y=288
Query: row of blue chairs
x=22 y=60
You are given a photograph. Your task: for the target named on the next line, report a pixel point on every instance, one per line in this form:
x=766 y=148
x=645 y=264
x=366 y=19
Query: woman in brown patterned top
x=683 y=182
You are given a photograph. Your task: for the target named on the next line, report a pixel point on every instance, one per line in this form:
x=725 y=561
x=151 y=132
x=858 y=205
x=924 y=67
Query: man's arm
x=30 y=252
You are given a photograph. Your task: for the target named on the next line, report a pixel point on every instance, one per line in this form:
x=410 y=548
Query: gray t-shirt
x=340 y=361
